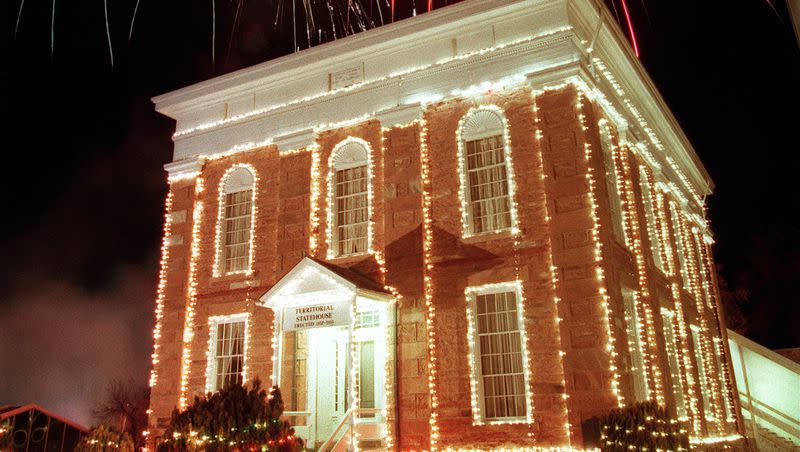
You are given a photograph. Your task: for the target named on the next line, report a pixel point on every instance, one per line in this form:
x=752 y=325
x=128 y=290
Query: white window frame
x=224 y=190
x=476 y=375
x=616 y=204
x=213 y=327
x=677 y=229
x=719 y=353
x=636 y=341
x=333 y=167
x=700 y=361
x=483 y=129
x=648 y=193
x=671 y=345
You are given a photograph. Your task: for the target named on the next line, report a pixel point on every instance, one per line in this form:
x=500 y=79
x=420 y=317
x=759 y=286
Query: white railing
x=330 y=441
x=769 y=388
x=358 y=417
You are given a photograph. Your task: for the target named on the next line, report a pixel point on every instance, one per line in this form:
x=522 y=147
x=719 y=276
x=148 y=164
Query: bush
x=235 y=418
x=105 y=439
x=642 y=426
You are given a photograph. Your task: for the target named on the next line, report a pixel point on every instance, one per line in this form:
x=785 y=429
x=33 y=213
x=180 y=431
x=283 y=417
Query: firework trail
x=630 y=27
x=133 y=19
x=108 y=33
x=19 y=14
x=52 y=28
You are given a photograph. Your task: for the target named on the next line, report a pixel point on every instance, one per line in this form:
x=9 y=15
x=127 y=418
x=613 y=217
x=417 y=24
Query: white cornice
x=288 y=100
x=399 y=115
x=183 y=169
x=296 y=140
x=383 y=41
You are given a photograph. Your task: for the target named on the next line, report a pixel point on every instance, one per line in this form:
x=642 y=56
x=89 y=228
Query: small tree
x=125 y=409
x=234 y=418
x=105 y=439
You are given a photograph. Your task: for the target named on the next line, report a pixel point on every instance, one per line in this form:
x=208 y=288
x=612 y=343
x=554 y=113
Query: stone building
x=474 y=229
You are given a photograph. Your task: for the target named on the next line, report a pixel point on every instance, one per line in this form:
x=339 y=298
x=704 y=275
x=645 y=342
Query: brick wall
x=554 y=256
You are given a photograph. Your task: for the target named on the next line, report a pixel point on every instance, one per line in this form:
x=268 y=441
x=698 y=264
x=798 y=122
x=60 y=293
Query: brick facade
x=564 y=237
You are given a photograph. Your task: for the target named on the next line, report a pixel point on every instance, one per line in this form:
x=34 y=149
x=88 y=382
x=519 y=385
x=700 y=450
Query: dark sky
x=84 y=186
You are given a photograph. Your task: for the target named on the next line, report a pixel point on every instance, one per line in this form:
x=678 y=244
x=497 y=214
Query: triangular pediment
x=310 y=279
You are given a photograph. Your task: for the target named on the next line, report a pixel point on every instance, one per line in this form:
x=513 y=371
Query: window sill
x=349 y=257
x=502 y=421
x=233 y=276
x=489 y=236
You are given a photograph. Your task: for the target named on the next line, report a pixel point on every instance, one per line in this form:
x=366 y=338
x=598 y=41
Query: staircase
x=769 y=441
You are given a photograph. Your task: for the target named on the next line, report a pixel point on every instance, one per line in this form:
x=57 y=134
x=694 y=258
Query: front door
x=330 y=345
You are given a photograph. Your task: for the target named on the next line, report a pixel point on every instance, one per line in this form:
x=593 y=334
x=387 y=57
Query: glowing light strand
x=598 y=257
x=427 y=234
x=162 y=285
x=191 y=301
x=552 y=270
x=642 y=296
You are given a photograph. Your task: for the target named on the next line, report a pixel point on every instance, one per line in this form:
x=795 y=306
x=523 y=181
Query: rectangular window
x=499 y=357
x=489 y=203
x=614 y=194
x=677 y=228
x=228 y=353
x=352 y=210
x=635 y=339
x=236 y=233
x=366 y=376
x=650 y=213
x=701 y=372
x=674 y=366
x=367 y=319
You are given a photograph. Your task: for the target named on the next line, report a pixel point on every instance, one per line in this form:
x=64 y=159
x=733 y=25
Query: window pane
x=500 y=355
x=487 y=181
x=352 y=211
x=236 y=231
x=229 y=354
x=366 y=375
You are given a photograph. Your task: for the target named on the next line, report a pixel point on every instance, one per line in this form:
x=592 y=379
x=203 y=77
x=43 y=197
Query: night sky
x=84 y=187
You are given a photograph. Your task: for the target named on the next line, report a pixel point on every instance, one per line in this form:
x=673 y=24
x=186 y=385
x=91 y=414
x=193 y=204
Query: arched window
x=235 y=224
x=349 y=182
x=486 y=172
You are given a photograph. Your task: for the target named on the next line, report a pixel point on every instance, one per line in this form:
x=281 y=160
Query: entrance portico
x=334 y=343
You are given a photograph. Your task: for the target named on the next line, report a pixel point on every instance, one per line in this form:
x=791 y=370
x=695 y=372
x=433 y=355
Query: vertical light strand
x=191 y=299
x=430 y=315
x=520 y=285
x=708 y=300
x=644 y=303
x=703 y=336
x=551 y=268
x=354 y=367
x=728 y=391
x=313 y=235
x=672 y=273
x=598 y=257
x=162 y=285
